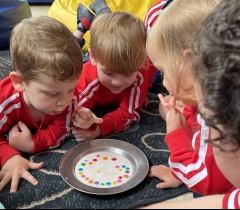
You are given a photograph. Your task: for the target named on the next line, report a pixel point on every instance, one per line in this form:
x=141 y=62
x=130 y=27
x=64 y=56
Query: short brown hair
x=118 y=41
x=44 y=45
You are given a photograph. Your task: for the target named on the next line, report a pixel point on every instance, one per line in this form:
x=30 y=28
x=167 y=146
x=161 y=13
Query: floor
x=42 y=9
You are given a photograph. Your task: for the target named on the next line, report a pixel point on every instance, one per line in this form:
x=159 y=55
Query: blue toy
x=11 y=13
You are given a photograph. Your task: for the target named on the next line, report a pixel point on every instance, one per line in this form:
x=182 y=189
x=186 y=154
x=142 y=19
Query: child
x=116 y=76
x=216 y=71
x=37 y=98
x=151 y=16
x=168 y=46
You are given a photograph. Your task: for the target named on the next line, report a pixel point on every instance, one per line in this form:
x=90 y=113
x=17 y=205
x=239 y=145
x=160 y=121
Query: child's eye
x=127 y=75
x=70 y=91
x=52 y=94
x=108 y=73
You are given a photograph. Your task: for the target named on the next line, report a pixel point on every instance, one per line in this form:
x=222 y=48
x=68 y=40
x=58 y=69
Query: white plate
x=135 y=156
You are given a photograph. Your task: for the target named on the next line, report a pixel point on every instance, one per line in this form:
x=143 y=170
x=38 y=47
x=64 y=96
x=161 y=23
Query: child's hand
x=164 y=173
x=84 y=135
x=15 y=168
x=20 y=138
x=173 y=119
x=84 y=118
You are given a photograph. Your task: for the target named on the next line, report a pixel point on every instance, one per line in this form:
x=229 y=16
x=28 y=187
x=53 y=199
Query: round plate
x=136 y=157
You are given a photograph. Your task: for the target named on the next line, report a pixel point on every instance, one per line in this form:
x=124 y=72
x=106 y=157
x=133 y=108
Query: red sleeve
x=128 y=103
x=129 y=107
x=192 y=159
x=231 y=200
x=152 y=14
x=6 y=151
x=53 y=133
x=6 y=124
x=87 y=87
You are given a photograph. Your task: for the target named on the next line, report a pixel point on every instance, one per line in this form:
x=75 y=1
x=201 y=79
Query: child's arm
x=173 y=122
x=129 y=107
x=164 y=173
x=84 y=118
x=15 y=168
x=206 y=202
x=129 y=104
x=85 y=125
x=191 y=158
x=86 y=134
x=54 y=130
x=20 y=138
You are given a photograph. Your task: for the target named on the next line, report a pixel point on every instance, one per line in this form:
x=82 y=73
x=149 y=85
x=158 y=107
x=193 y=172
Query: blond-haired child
x=216 y=73
x=38 y=98
x=116 y=76
x=169 y=48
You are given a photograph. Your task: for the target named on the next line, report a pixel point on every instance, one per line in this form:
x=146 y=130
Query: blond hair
x=44 y=45
x=118 y=41
x=173 y=34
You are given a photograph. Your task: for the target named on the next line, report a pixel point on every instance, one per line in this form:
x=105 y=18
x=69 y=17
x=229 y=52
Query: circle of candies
x=123 y=167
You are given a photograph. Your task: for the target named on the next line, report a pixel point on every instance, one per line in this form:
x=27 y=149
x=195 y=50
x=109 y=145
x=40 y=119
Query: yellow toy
x=66 y=11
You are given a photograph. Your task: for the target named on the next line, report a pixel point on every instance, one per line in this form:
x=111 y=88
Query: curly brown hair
x=216 y=68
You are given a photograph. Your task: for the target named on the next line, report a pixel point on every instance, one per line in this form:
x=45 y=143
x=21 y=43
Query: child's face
x=169 y=83
x=48 y=96
x=115 y=83
x=228 y=162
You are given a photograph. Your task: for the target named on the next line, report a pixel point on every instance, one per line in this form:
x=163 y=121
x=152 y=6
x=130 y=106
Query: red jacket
x=152 y=14
x=231 y=200
x=192 y=159
x=128 y=103
x=50 y=134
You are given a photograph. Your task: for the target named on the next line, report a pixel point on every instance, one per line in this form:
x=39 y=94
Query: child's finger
x=97 y=119
x=15 y=128
x=22 y=126
x=162 y=99
x=160 y=96
x=29 y=177
x=15 y=180
x=4 y=180
x=171 y=104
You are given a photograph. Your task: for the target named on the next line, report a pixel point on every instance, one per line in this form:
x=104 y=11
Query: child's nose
x=63 y=101
x=117 y=81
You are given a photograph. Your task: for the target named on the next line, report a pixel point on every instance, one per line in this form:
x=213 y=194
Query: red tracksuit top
x=232 y=200
x=50 y=134
x=192 y=160
x=152 y=14
x=129 y=101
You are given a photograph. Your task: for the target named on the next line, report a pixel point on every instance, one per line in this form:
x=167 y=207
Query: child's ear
x=187 y=59
x=92 y=60
x=17 y=81
x=187 y=55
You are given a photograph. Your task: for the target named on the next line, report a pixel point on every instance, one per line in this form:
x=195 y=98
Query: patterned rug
x=53 y=192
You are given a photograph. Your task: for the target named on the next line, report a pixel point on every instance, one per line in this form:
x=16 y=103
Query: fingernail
x=12 y=191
